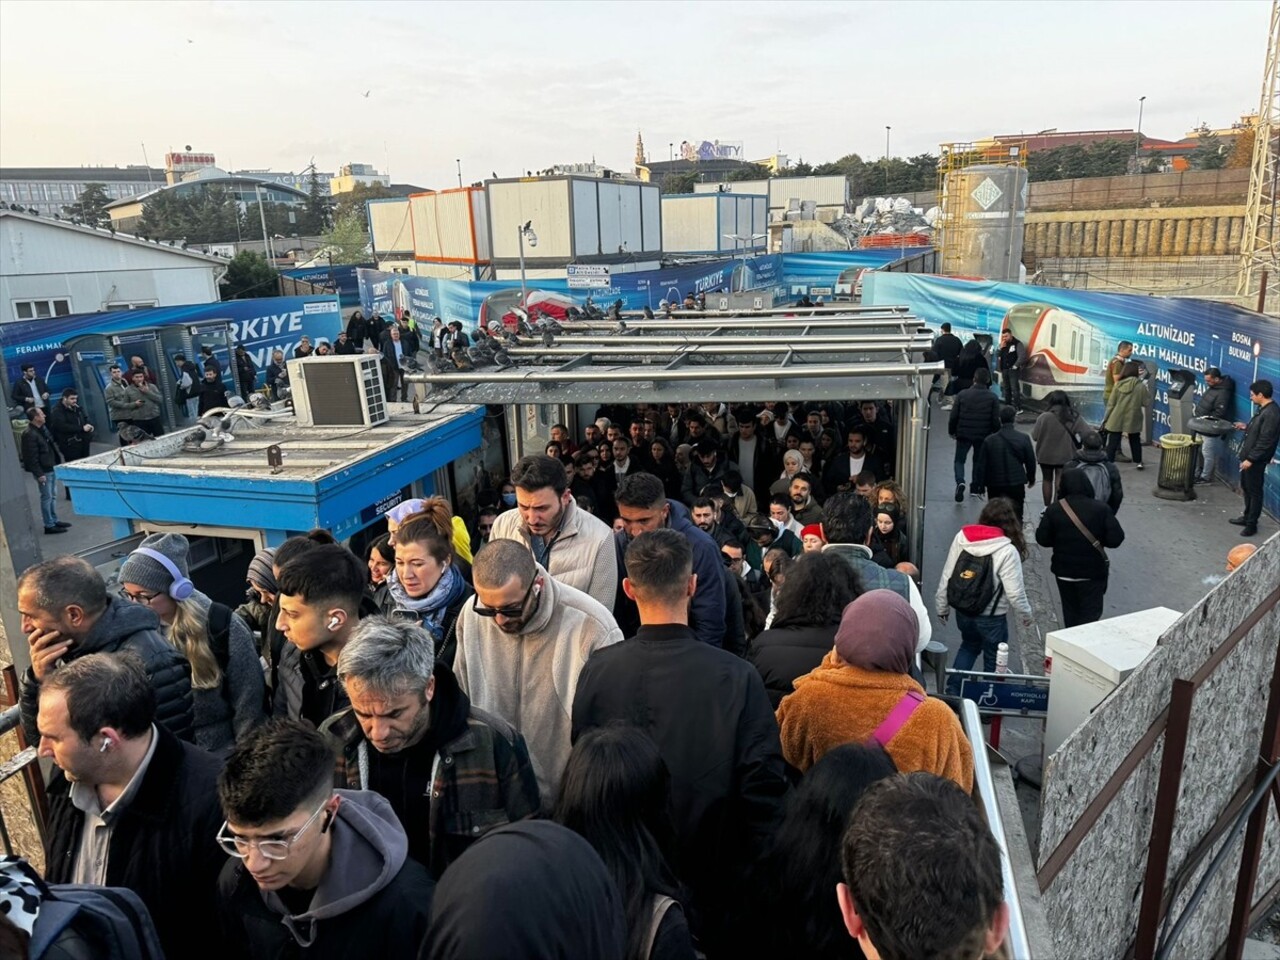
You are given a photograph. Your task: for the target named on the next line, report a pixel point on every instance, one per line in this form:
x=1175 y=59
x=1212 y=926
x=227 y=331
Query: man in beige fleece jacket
x=522 y=642
x=572 y=545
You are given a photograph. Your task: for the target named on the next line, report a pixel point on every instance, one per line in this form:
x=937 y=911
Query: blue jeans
x=978 y=635
x=962 y=454
x=48 y=500
x=1213 y=451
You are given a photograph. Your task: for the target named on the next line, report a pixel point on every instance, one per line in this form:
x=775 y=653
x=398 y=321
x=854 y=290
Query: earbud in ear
x=333 y=623
x=105 y=744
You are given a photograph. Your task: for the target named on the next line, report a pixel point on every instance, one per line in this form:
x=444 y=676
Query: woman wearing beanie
x=426 y=585
x=811 y=538
x=862 y=692
x=226 y=675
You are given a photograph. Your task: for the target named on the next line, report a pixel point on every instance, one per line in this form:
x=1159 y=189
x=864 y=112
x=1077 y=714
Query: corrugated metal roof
x=103 y=233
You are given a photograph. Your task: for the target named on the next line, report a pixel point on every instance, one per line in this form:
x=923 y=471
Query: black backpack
x=973 y=587
x=111 y=922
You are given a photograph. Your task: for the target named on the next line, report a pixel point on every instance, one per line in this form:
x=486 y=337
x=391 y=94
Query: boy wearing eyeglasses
x=313 y=870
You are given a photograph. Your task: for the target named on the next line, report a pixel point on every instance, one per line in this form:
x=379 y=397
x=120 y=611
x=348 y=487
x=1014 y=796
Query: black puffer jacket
x=782 y=654
x=133 y=627
x=1009 y=457
x=1216 y=400
x=975 y=414
x=162 y=846
x=1073 y=555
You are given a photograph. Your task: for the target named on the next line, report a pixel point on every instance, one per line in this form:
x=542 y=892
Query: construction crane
x=1260 y=244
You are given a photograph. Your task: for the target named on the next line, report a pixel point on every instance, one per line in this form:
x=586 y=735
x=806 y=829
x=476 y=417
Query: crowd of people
x=623 y=713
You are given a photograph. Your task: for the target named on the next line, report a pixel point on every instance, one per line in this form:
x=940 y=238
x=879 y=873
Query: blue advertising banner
x=341 y=280
x=1070 y=335
x=475 y=302
x=262 y=325
x=819 y=274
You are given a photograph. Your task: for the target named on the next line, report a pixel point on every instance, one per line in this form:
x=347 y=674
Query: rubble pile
x=891 y=216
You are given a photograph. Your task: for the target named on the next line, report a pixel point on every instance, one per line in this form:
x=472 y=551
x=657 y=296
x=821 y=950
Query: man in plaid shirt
x=450 y=771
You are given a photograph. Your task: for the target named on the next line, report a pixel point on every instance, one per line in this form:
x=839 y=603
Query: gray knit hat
x=259 y=573
x=150 y=574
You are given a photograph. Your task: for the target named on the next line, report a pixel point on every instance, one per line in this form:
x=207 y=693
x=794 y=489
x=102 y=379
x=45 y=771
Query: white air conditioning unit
x=338 y=391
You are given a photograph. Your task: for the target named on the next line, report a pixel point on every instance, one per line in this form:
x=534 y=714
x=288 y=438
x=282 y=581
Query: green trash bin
x=19 y=425
x=1179 y=459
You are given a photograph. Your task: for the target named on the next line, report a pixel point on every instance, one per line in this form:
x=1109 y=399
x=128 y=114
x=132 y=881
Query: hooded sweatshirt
x=981 y=540
x=129 y=626
x=528 y=891
x=372 y=902
x=529 y=678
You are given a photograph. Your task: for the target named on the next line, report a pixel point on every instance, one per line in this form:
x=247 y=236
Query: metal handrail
x=10 y=719
x=1017 y=944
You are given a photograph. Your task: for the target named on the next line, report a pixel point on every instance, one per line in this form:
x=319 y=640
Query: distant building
x=708 y=167
x=299 y=181
x=48 y=189
x=53 y=268
x=246 y=191
x=351 y=175
x=1053 y=139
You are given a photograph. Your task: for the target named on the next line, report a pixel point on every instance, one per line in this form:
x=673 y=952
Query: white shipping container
x=574 y=218
x=831 y=191
x=389 y=226
x=444 y=226
x=703 y=222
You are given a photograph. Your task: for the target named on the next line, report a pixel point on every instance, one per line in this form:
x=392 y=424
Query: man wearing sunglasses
x=130 y=805
x=521 y=643
x=313 y=871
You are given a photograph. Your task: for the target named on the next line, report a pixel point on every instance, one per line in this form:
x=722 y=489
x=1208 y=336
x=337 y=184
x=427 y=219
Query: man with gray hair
x=450 y=771
x=522 y=642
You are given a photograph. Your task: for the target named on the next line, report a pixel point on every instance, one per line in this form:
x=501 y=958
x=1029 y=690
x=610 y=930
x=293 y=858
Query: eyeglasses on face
x=270 y=849
x=143 y=598
x=511 y=612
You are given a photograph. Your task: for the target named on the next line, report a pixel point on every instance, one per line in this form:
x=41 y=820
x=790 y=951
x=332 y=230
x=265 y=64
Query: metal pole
x=459 y=163
x=1137 y=143
x=21 y=544
x=886 y=159
x=524 y=296
x=1262 y=295
x=262 y=216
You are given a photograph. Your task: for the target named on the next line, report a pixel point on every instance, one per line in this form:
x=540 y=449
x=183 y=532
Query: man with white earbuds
x=132 y=806
x=67 y=612
x=319 y=596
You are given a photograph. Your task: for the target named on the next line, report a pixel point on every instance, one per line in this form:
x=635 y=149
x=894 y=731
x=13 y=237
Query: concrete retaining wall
x=1134 y=232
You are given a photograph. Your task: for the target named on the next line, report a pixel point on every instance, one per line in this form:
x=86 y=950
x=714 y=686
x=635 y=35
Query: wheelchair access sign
x=1010 y=695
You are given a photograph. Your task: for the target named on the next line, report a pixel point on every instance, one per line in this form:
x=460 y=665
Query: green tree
x=800 y=169
x=346 y=204
x=678 y=182
x=1210 y=152
x=315 y=220
x=90 y=207
x=249 y=275
x=1106 y=158
x=347 y=241
x=752 y=171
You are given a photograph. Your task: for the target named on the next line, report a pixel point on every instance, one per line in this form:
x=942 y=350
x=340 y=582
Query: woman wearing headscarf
x=863 y=692
x=792 y=462
x=528 y=891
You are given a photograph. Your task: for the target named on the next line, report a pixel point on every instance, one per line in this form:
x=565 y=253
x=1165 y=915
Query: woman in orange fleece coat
x=857 y=686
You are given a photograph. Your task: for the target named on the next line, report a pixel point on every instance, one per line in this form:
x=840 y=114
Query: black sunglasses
x=510 y=613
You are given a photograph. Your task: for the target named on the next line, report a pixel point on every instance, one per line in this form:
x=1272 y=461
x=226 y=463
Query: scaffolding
x=1259 y=246
x=953 y=158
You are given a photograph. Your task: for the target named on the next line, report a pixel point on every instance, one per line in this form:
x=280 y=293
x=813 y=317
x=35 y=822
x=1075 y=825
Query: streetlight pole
x=525 y=232
x=1137 y=143
x=671 y=151
x=886 y=159
x=459 y=163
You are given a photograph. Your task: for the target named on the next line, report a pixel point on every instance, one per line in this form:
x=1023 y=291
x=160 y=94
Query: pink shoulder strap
x=897 y=718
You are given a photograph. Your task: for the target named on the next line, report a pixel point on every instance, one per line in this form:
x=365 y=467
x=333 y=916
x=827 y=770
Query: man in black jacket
x=39 y=457
x=709 y=714
x=315 y=872
x=31 y=392
x=1008 y=461
x=130 y=806
x=975 y=415
x=1261 y=436
x=1079 y=559
x=70 y=426
x=947 y=346
x=1102 y=472
x=67 y=613
x=1012 y=357
x=1216 y=401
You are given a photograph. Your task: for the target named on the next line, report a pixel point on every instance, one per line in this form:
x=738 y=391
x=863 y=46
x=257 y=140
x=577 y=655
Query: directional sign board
x=588 y=276
x=1022 y=696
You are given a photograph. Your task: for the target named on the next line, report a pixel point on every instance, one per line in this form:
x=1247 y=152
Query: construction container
x=575 y=220
x=823 y=192
x=390 y=231
x=705 y=223
x=450 y=226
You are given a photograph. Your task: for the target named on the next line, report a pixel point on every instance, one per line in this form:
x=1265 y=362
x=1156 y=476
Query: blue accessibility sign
x=1024 y=697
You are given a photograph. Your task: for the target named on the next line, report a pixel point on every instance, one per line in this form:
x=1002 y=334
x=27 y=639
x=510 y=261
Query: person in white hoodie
x=994 y=542
x=522 y=642
x=314 y=871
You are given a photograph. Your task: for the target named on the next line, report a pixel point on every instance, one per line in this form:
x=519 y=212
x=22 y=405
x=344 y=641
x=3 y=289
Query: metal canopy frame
x=870 y=353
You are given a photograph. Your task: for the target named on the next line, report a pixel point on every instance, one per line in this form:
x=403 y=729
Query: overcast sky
x=509 y=87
